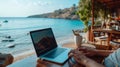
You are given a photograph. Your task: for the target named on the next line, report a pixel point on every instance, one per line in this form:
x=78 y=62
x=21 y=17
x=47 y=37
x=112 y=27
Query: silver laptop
x=46 y=47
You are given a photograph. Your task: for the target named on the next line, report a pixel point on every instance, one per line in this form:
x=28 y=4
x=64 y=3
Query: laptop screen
x=43 y=40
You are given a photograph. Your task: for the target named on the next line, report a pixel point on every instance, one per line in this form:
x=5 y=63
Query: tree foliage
x=84 y=12
x=85 y=8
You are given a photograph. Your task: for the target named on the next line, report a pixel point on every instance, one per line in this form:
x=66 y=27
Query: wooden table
x=109 y=33
x=32 y=62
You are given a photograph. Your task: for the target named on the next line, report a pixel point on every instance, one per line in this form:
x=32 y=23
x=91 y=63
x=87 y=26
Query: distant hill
x=67 y=13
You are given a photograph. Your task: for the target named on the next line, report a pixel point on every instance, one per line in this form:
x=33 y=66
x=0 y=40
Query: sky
x=24 y=8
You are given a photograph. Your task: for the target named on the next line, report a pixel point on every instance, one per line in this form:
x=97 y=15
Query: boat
x=5 y=21
x=7 y=40
x=10 y=45
x=8 y=37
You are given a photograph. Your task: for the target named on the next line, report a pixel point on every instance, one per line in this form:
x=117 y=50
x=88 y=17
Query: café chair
x=99 y=37
x=115 y=45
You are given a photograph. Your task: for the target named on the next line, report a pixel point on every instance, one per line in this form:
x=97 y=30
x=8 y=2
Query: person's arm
x=92 y=52
x=87 y=62
x=82 y=59
x=103 y=52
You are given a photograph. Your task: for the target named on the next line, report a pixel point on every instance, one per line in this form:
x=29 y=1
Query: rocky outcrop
x=67 y=13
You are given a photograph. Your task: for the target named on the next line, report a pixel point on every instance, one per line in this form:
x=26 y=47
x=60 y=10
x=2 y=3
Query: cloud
x=39 y=3
x=29 y=7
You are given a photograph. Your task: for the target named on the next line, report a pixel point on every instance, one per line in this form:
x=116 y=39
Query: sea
x=17 y=30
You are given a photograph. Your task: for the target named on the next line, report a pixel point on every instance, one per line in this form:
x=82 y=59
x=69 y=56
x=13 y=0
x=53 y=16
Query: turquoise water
x=18 y=29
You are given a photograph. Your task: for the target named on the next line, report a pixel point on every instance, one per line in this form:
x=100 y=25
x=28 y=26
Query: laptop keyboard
x=55 y=53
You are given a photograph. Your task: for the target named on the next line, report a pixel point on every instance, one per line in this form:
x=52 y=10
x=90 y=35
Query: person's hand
x=41 y=63
x=88 y=51
x=78 y=56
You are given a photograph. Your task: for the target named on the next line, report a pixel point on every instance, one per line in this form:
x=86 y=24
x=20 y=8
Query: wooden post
x=92 y=13
x=92 y=26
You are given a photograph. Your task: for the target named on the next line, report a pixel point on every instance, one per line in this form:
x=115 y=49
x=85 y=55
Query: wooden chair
x=115 y=45
x=115 y=42
x=99 y=37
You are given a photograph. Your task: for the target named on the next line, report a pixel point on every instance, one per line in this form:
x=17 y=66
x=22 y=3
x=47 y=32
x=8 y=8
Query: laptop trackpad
x=55 y=53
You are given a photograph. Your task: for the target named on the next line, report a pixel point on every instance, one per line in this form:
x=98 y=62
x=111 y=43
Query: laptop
x=46 y=46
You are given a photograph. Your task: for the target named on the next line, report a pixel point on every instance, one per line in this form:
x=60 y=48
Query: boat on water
x=5 y=21
x=10 y=45
x=7 y=40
